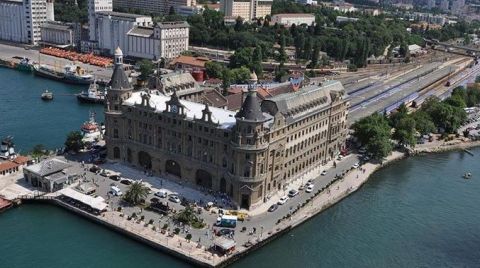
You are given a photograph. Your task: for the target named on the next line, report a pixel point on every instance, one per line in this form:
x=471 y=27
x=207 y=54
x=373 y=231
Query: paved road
x=267 y=220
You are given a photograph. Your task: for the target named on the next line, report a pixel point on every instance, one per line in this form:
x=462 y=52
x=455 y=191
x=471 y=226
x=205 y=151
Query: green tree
x=456 y=101
x=39 y=150
x=241 y=57
x=423 y=123
x=315 y=55
x=405 y=132
x=374 y=133
x=74 y=141
x=472 y=96
x=241 y=75
x=146 y=68
x=402 y=112
x=214 y=69
x=227 y=79
x=171 y=11
x=136 y=193
x=282 y=55
x=257 y=60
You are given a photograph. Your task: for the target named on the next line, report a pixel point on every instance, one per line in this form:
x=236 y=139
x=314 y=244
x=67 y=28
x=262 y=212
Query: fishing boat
x=43 y=71
x=92 y=95
x=47 y=95
x=24 y=65
x=91 y=130
x=77 y=75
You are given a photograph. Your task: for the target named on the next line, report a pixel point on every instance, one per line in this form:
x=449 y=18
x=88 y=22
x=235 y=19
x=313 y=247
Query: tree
x=315 y=55
x=241 y=75
x=405 y=131
x=423 y=123
x=257 y=60
x=472 y=96
x=74 y=141
x=241 y=57
x=146 y=68
x=282 y=55
x=227 y=78
x=136 y=193
x=456 y=101
x=171 y=11
x=214 y=69
x=39 y=150
x=401 y=113
x=374 y=133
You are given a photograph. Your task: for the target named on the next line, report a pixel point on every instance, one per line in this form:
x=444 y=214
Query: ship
x=77 y=75
x=92 y=95
x=24 y=65
x=47 y=95
x=91 y=130
x=44 y=71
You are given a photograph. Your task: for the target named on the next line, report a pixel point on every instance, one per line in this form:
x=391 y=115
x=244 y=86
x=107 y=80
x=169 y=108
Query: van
x=227 y=221
x=115 y=191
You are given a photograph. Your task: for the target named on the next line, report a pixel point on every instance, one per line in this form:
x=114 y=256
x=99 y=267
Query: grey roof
x=56 y=26
x=172 y=24
x=121 y=15
x=119 y=78
x=309 y=99
x=250 y=110
x=57 y=178
x=48 y=167
x=182 y=82
x=141 y=31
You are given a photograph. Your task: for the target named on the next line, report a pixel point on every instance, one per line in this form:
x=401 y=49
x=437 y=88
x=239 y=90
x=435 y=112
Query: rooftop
x=141 y=31
x=56 y=26
x=6 y=165
x=193 y=110
x=172 y=24
x=189 y=60
x=48 y=167
x=121 y=15
x=296 y=15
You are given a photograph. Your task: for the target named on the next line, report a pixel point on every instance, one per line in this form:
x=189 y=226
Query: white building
x=95 y=6
x=164 y=40
x=152 y=6
x=58 y=34
x=20 y=21
x=344 y=8
x=112 y=29
x=290 y=19
x=246 y=9
x=50 y=11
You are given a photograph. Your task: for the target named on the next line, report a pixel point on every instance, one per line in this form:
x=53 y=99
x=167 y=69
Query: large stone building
x=246 y=9
x=164 y=40
x=95 y=6
x=59 y=34
x=159 y=7
x=20 y=21
x=250 y=154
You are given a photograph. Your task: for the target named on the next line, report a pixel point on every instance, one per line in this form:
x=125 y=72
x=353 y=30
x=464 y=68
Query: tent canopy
x=97 y=203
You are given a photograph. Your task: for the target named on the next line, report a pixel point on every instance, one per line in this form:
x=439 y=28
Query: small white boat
x=467 y=175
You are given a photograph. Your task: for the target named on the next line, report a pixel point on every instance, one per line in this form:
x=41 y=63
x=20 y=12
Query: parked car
x=225 y=232
x=356 y=165
x=126 y=182
x=362 y=150
x=308 y=183
x=301 y=187
x=161 y=194
x=272 y=208
x=174 y=198
x=115 y=177
x=292 y=193
x=283 y=200
x=154 y=200
x=94 y=169
x=309 y=188
x=114 y=190
x=105 y=173
x=323 y=173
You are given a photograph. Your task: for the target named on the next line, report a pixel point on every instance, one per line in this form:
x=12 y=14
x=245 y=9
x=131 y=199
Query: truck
x=228 y=221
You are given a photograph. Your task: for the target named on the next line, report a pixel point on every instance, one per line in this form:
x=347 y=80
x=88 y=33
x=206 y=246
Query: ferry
x=92 y=95
x=47 y=95
x=77 y=75
x=43 y=71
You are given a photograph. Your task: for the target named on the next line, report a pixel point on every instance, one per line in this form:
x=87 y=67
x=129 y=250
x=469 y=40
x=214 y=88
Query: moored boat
x=24 y=65
x=77 y=75
x=91 y=130
x=92 y=95
x=44 y=71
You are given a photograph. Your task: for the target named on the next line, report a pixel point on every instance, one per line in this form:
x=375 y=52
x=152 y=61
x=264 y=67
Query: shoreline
x=196 y=254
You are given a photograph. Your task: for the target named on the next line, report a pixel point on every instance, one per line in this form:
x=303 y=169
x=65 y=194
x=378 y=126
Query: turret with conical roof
x=250 y=110
x=120 y=88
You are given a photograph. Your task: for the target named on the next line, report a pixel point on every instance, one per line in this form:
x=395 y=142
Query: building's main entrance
x=145 y=160
x=203 y=178
x=173 y=168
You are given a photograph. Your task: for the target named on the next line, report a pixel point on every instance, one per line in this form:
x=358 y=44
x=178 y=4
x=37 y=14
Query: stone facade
x=250 y=155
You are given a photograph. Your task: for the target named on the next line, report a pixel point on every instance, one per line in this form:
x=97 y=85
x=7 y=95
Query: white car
x=174 y=199
x=161 y=194
x=309 y=188
x=283 y=200
x=323 y=173
x=356 y=165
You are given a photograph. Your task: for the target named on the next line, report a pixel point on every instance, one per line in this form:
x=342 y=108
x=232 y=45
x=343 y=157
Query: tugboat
x=44 y=71
x=92 y=95
x=47 y=95
x=91 y=130
x=77 y=75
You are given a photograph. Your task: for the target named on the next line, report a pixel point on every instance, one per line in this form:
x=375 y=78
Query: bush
x=142 y=217
x=134 y=215
x=119 y=209
x=154 y=228
x=165 y=226
x=150 y=221
x=177 y=230
x=188 y=237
